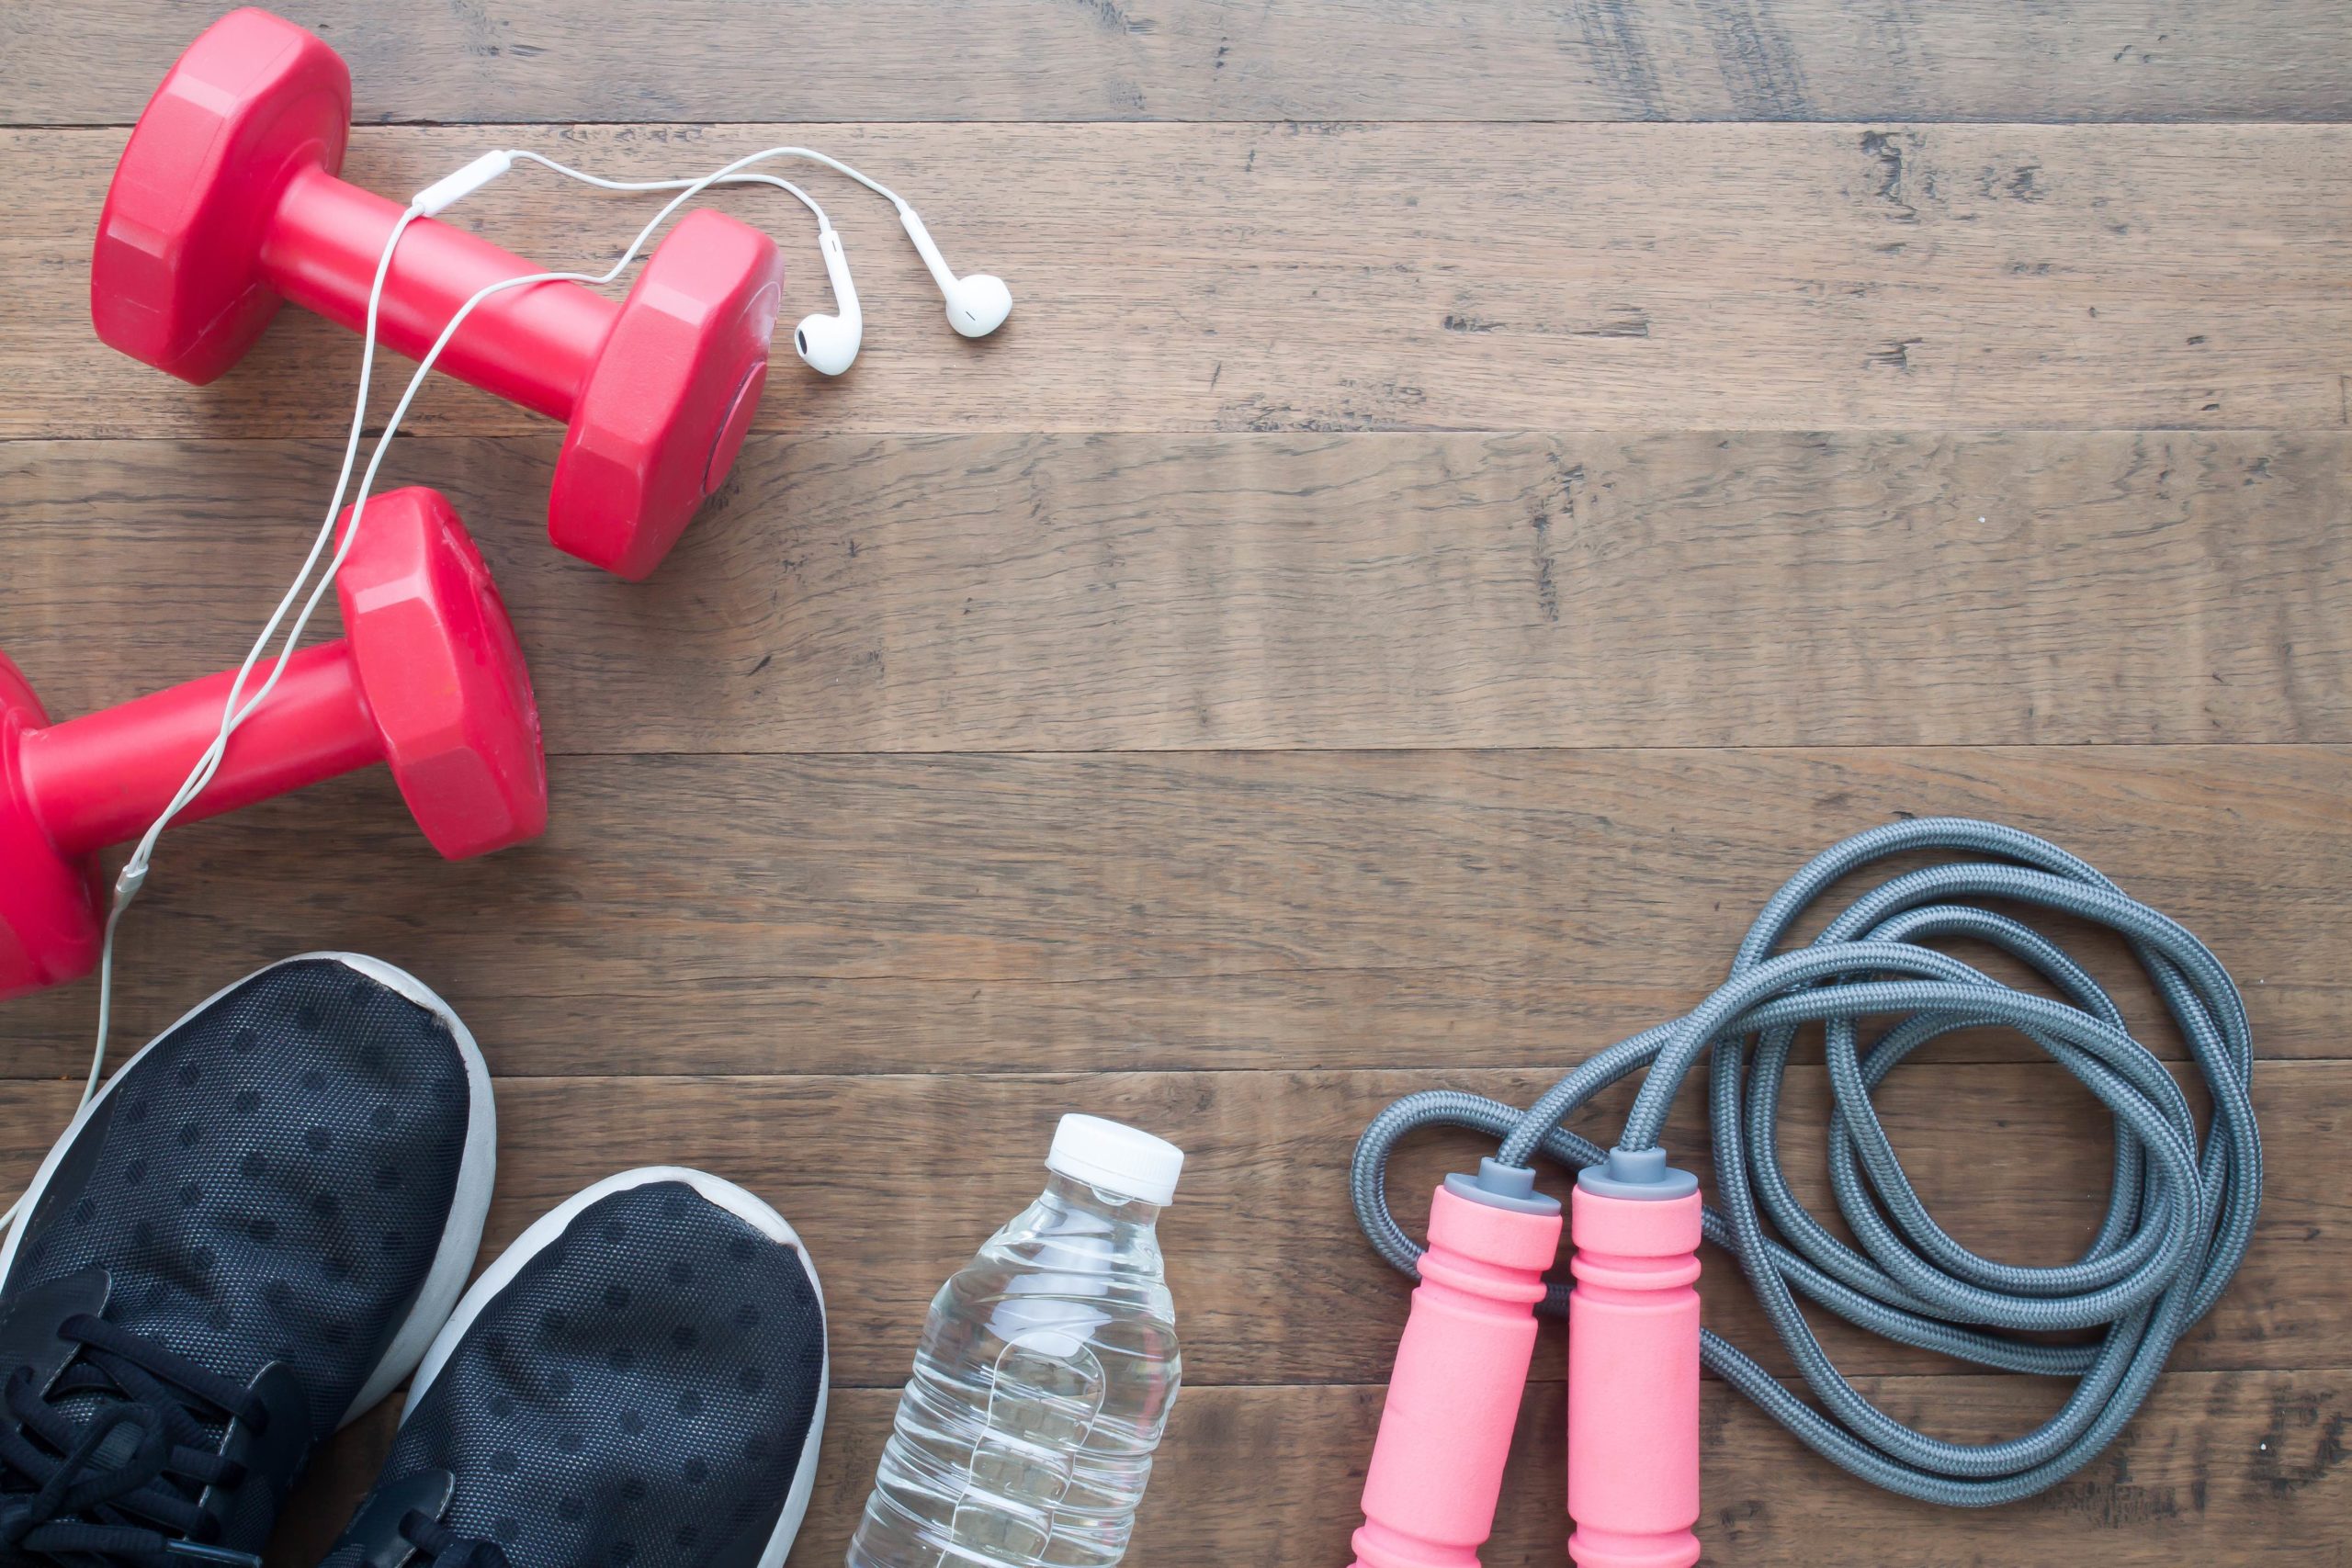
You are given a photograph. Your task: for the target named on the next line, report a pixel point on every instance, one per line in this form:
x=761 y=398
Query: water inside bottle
x=1041 y=1388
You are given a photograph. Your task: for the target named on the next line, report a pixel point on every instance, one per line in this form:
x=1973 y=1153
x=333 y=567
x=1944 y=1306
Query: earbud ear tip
x=823 y=346
x=979 y=304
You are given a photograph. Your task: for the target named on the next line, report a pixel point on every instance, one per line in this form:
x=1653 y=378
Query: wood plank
x=1190 y=60
x=846 y=914
x=2245 y=1468
x=1027 y=592
x=1420 y=276
x=1417 y=437
x=894 y=1180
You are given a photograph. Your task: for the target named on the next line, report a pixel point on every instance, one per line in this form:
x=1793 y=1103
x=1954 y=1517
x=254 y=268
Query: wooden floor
x=1468 y=500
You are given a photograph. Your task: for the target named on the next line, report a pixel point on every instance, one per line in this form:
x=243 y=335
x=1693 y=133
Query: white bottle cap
x=1115 y=1157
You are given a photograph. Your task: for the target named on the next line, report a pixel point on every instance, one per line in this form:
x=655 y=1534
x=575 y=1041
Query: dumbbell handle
x=1437 y=1466
x=533 y=345
x=101 y=779
x=1633 y=1381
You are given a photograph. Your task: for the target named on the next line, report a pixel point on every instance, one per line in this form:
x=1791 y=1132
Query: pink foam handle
x=1437 y=1467
x=1633 y=1381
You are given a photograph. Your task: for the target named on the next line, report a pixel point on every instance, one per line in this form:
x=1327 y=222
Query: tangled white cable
x=977 y=306
x=976 y=303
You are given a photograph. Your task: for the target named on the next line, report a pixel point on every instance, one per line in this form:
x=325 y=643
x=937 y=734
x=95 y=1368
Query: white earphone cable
x=133 y=875
x=806 y=153
x=236 y=707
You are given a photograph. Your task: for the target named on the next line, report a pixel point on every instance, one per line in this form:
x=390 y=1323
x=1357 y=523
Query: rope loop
x=2181 y=1202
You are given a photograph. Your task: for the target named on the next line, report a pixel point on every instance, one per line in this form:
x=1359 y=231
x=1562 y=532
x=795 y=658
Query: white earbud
x=977 y=305
x=827 y=345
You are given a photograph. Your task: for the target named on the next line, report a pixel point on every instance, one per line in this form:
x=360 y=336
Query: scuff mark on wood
x=1895 y=355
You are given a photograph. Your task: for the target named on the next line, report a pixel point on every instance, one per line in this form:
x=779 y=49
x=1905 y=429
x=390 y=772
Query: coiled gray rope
x=2180 y=1211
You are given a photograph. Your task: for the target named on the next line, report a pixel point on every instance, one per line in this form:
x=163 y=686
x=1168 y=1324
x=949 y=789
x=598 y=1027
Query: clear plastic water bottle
x=1044 y=1378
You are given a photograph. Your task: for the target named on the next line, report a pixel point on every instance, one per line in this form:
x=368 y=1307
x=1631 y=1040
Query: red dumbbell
x=427 y=677
x=227 y=202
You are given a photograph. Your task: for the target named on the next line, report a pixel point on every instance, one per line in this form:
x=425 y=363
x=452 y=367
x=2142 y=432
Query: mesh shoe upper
x=642 y=1391
x=270 y=1181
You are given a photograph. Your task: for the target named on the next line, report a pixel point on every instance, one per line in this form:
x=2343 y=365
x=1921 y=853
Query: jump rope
x=2180 y=1211
x=976 y=303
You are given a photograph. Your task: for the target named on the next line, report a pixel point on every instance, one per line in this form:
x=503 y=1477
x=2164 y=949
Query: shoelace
x=71 y=1488
x=445 y=1548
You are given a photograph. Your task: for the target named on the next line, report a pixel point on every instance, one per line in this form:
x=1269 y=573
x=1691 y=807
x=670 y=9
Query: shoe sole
x=543 y=1231
x=469 y=1205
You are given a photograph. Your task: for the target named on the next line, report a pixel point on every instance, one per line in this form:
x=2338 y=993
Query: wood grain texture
x=893 y=1181
x=1426 y=559
x=1199 y=60
x=861 y=914
x=1342 y=277
x=1002 y=592
x=2244 y=1467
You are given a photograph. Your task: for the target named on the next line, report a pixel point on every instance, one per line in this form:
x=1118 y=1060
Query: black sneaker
x=247 y=1238
x=638 y=1382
